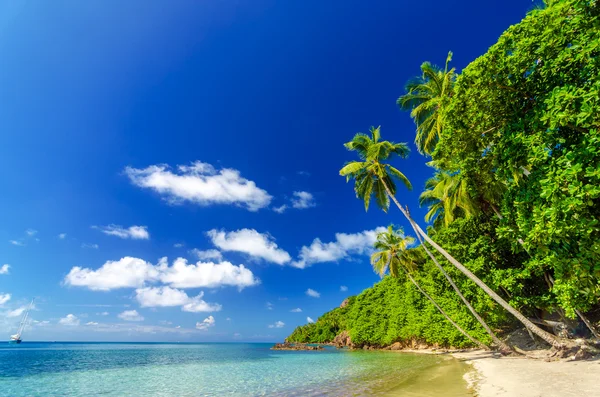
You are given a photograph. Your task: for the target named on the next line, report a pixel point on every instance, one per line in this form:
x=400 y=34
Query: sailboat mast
x=24 y=320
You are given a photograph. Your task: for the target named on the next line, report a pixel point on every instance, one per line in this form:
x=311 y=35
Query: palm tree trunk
x=585 y=320
x=549 y=279
x=588 y=323
x=546 y=336
x=503 y=346
x=458 y=327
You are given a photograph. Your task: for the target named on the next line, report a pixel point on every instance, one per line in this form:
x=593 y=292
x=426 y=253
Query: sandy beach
x=521 y=377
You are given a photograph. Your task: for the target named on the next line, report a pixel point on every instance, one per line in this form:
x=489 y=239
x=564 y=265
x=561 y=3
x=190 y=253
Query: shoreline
x=494 y=375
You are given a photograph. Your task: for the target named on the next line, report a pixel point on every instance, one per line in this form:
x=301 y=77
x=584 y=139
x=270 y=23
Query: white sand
x=522 y=377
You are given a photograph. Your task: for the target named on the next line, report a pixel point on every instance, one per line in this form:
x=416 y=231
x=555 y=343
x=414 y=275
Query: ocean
x=220 y=369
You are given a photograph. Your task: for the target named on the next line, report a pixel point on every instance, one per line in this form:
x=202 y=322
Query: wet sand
x=447 y=379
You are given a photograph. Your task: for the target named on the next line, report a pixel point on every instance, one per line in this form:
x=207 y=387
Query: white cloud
x=344 y=245
x=278 y=324
x=302 y=200
x=62 y=236
x=178 y=245
x=161 y=297
x=299 y=200
x=70 y=320
x=309 y=320
x=168 y=297
x=16 y=313
x=281 y=209
x=206 y=323
x=207 y=274
x=207 y=254
x=132 y=232
x=92 y=246
x=131 y=315
x=31 y=232
x=197 y=305
x=102 y=314
x=296 y=310
x=4 y=298
x=4 y=269
x=200 y=183
x=91 y=323
x=343 y=288
x=269 y=306
x=250 y=242
x=17 y=243
x=312 y=293
x=165 y=322
x=127 y=272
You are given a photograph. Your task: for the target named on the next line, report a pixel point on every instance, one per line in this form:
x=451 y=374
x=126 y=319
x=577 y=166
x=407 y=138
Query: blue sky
x=169 y=170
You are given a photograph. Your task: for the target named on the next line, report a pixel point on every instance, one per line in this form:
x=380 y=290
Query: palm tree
x=446 y=195
x=393 y=254
x=424 y=98
x=372 y=176
x=362 y=172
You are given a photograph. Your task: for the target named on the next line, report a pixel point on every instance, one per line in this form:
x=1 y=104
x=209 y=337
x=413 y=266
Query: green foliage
x=371 y=174
x=447 y=195
x=425 y=97
x=515 y=140
x=392 y=253
x=394 y=310
x=527 y=115
x=324 y=329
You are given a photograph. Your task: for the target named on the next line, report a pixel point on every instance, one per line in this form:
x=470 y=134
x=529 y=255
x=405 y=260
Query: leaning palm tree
x=424 y=98
x=446 y=195
x=393 y=254
x=372 y=176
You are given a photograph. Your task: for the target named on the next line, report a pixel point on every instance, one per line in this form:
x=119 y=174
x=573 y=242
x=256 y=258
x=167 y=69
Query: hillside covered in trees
x=514 y=145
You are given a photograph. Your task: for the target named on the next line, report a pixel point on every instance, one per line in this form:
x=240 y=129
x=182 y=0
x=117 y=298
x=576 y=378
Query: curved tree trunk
x=503 y=346
x=546 y=336
x=588 y=323
x=585 y=320
x=458 y=327
x=550 y=281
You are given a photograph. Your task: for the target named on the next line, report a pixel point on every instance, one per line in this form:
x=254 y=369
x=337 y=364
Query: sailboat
x=16 y=338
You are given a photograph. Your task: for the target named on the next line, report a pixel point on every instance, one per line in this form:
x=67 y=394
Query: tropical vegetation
x=514 y=200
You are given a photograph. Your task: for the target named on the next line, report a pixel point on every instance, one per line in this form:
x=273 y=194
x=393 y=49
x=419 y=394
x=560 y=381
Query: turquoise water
x=145 y=369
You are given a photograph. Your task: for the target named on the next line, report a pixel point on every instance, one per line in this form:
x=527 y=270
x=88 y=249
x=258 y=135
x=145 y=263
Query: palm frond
x=375 y=134
x=365 y=191
x=397 y=174
x=352 y=167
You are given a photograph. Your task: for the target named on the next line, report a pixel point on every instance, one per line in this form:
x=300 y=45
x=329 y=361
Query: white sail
x=17 y=336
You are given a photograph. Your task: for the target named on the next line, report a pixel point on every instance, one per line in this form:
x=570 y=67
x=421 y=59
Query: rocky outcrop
x=345 y=303
x=412 y=344
x=343 y=340
x=295 y=346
